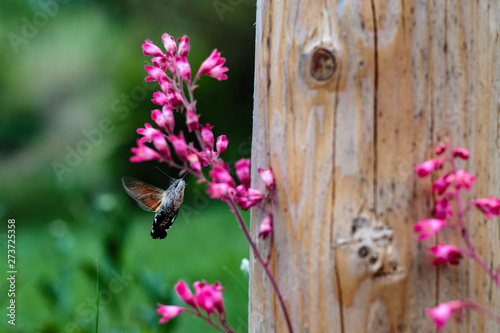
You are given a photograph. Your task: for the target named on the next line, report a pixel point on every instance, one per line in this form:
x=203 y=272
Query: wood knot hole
x=323 y=64
x=363 y=251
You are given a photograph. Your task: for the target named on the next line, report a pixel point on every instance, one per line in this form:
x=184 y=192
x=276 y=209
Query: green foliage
x=66 y=129
x=57 y=274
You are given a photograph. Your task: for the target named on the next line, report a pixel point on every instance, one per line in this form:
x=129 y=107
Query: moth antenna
x=164 y=173
x=187 y=173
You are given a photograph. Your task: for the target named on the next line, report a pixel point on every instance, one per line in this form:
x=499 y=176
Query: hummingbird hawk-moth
x=166 y=203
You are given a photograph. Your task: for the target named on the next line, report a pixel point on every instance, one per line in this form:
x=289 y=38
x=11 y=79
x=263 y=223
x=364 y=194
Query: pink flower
x=428 y=166
x=180 y=145
x=160 y=98
x=168 y=312
x=212 y=66
x=204 y=157
x=443 y=209
x=174 y=97
x=164 y=119
x=161 y=145
x=221 y=144
x=441 y=148
x=169 y=118
x=220 y=174
x=171 y=67
x=166 y=85
x=427 y=228
x=155 y=73
x=461 y=152
x=149 y=132
x=250 y=198
x=219 y=190
x=184 y=68
x=442 y=183
x=243 y=171
x=169 y=44
x=207 y=136
x=463 y=179
x=489 y=206
x=143 y=153
x=148 y=48
x=446 y=253
x=191 y=120
x=161 y=62
x=265 y=228
x=442 y=313
x=268 y=178
x=194 y=163
x=183 y=46
x=185 y=293
x=209 y=297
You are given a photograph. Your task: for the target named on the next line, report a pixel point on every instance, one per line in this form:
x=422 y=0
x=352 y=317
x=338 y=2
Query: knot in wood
x=323 y=64
x=371 y=243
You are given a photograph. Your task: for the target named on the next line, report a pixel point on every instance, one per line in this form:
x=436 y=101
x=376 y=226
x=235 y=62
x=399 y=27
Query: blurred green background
x=68 y=69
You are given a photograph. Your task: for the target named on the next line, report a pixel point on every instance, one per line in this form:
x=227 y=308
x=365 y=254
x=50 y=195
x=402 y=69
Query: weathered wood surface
x=408 y=73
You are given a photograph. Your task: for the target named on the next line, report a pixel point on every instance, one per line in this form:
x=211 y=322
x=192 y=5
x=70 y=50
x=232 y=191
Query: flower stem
x=262 y=262
x=223 y=327
x=465 y=235
x=478 y=308
x=226 y=325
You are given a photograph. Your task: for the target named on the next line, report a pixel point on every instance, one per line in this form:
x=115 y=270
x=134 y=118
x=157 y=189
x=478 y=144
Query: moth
x=166 y=203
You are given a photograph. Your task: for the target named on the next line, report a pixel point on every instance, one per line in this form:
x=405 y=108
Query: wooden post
x=349 y=96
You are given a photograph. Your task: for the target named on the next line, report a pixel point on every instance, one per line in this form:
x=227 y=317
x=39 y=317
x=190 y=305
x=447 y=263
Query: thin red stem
x=200 y=141
x=465 y=235
x=261 y=261
x=191 y=89
x=181 y=86
x=222 y=328
x=225 y=324
x=478 y=308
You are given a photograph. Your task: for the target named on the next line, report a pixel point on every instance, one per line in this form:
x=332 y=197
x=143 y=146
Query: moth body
x=166 y=203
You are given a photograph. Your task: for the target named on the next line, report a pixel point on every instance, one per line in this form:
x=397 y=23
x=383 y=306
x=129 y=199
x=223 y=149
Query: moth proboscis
x=166 y=203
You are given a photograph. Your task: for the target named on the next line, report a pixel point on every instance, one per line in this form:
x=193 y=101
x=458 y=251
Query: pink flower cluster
x=223 y=186
x=171 y=69
x=173 y=72
x=447 y=188
x=207 y=302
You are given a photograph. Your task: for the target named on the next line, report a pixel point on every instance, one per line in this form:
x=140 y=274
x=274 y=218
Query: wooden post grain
x=349 y=96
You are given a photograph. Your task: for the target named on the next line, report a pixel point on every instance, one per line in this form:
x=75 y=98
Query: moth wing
x=147 y=196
